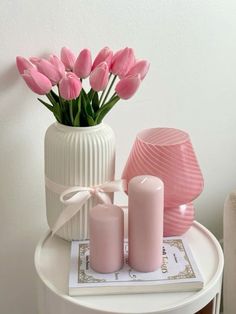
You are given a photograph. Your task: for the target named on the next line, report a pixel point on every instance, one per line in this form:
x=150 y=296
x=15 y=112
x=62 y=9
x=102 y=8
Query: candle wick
x=144 y=180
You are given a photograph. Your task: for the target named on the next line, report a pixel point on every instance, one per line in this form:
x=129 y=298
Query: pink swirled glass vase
x=167 y=153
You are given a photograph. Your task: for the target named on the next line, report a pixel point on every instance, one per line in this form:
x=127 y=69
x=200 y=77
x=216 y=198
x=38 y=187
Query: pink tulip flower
x=70 y=86
x=58 y=64
x=140 y=67
x=23 y=64
x=127 y=86
x=122 y=61
x=36 y=81
x=35 y=60
x=99 y=77
x=83 y=64
x=48 y=69
x=68 y=58
x=106 y=55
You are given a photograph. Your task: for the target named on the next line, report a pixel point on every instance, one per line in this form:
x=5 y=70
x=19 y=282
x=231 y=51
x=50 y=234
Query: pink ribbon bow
x=75 y=197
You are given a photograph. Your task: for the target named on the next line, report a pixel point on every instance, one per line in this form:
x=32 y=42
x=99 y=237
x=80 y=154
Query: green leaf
x=51 y=98
x=75 y=106
x=90 y=94
x=50 y=107
x=84 y=96
x=90 y=120
x=87 y=108
x=95 y=102
x=57 y=112
x=77 y=117
x=105 y=109
x=54 y=95
x=83 y=119
x=71 y=112
x=65 y=117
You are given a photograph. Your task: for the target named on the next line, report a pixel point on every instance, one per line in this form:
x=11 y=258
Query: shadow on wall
x=21 y=146
x=23 y=216
x=10 y=75
x=8 y=78
x=19 y=105
x=13 y=109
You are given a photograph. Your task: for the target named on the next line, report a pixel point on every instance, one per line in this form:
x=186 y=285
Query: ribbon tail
x=69 y=212
x=114 y=186
x=104 y=198
x=54 y=187
x=110 y=187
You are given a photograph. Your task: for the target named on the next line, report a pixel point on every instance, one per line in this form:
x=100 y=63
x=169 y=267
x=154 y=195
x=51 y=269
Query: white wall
x=191 y=85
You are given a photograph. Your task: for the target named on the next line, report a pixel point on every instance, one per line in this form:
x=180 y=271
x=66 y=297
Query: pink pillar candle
x=145 y=219
x=106 y=225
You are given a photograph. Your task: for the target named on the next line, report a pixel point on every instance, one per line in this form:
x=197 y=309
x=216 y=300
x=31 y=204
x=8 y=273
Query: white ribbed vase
x=82 y=156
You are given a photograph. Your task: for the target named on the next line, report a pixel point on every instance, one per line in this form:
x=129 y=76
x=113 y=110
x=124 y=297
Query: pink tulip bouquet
x=61 y=80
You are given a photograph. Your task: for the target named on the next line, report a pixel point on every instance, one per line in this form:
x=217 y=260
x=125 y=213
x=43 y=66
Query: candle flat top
x=106 y=212
x=146 y=183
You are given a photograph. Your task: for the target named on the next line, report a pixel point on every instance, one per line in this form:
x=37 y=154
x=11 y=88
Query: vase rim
x=78 y=128
x=168 y=137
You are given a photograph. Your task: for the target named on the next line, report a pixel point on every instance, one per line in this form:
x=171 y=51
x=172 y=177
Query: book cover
x=179 y=272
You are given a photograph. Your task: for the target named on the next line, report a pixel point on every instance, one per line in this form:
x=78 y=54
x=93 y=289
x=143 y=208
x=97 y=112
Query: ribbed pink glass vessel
x=177 y=220
x=167 y=153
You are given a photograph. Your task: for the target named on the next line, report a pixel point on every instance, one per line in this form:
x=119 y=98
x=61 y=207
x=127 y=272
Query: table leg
x=217 y=303
x=208 y=309
x=213 y=307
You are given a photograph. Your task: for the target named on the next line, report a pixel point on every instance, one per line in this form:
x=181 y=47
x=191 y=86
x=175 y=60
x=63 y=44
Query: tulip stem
x=109 y=89
x=50 y=97
x=103 y=92
x=71 y=112
x=62 y=105
x=59 y=96
x=112 y=96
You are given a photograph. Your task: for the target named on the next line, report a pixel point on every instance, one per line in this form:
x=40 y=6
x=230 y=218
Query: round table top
x=52 y=262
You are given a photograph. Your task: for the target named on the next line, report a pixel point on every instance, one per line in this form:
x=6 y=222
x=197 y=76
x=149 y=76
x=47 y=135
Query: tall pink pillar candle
x=106 y=225
x=145 y=219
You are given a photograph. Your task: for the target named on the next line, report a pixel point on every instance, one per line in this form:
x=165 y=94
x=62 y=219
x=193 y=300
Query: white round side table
x=52 y=259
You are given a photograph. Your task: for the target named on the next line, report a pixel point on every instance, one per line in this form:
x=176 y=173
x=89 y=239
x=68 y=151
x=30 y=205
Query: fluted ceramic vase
x=77 y=156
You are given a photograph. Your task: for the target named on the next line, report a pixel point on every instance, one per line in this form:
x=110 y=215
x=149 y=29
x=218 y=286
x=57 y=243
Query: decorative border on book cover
x=187 y=273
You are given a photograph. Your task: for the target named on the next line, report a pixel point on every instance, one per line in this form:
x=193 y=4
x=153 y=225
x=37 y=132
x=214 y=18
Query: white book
x=179 y=272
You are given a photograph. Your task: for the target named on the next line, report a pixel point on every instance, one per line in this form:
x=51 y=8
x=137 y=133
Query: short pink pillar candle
x=106 y=225
x=145 y=219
